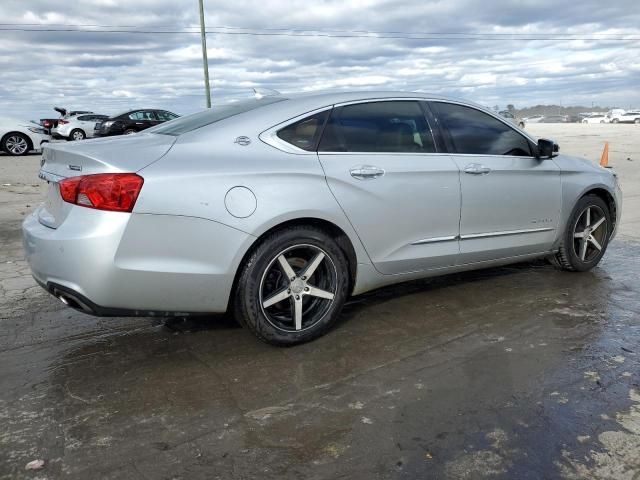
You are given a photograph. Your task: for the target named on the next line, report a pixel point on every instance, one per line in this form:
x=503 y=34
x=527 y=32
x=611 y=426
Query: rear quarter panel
x=195 y=176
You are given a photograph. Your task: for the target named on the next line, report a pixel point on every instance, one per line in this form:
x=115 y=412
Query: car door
x=153 y=118
x=400 y=193
x=510 y=199
x=84 y=122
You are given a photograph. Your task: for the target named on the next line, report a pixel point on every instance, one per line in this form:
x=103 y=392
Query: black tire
x=262 y=276
x=570 y=256
x=129 y=131
x=637 y=121
x=77 y=134
x=16 y=143
x=615 y=120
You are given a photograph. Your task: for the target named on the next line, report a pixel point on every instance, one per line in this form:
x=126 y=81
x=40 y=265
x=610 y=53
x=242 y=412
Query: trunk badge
x=244 y=141
x=75 y=168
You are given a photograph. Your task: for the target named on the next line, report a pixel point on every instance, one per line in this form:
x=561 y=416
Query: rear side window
x=475 y=132
x=85 y=118
x=305 y=133
x=394 y=126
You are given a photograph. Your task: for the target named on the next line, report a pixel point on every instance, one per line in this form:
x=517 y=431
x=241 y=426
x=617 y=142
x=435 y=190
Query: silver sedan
x=279 y=209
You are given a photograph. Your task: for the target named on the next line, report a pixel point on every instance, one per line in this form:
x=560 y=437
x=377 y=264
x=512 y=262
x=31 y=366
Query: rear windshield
x=212 y=115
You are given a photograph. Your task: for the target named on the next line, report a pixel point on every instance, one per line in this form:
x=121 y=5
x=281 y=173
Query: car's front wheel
x=129 y=131
x=292 y=287
x=586 y=235
x=16 y=144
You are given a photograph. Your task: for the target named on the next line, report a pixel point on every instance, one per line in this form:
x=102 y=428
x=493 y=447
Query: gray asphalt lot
x=518 y=372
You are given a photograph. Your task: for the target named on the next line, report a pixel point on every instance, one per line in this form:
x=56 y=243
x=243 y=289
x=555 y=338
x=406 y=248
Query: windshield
x=212 y=115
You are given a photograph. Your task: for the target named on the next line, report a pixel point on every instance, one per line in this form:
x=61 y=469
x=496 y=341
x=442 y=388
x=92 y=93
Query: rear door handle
x=477 y=169
x=366 y=172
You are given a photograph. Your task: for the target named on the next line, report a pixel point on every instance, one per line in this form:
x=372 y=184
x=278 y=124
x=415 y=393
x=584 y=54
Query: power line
x=171 y=29
x=431 y=36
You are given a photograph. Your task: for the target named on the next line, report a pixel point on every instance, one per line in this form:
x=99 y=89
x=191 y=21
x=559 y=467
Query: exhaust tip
x=73 y=302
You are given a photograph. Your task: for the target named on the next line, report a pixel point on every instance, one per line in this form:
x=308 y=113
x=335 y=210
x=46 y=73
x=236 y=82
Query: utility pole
x=205 y=61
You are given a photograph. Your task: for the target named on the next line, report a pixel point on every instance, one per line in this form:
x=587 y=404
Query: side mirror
x=546 y=148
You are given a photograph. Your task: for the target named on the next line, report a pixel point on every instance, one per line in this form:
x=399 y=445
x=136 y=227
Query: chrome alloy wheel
x=590 y=233
x=16 y=145
x=78 y=135
x=298 y=288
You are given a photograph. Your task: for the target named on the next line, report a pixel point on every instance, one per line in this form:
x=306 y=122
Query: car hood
x=128 y=153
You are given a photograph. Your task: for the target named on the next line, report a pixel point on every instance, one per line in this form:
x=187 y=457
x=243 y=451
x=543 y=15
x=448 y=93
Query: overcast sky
x=587 y=61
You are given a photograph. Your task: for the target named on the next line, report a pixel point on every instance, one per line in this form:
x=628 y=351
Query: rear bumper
x=112 y=263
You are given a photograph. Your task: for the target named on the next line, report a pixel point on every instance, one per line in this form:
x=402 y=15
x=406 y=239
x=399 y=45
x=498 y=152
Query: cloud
x=108 y=72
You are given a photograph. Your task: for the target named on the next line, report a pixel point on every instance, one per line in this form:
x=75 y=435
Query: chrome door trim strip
x=507 y=232
x=435 y=240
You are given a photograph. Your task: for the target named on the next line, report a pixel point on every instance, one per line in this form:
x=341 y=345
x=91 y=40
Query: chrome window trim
x=436 y=154
x=505 y=232
x=270 y=136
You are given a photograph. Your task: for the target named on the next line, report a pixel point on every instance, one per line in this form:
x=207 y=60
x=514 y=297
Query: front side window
x=475 y=132
x=165 y=116
x=393 y=126
x=136 y=116
x=305 y=133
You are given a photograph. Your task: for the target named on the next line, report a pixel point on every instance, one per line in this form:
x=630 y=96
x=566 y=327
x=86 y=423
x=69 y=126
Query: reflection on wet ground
x=516 y=372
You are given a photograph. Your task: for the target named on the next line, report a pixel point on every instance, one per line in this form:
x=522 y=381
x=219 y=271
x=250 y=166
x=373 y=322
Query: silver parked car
x=77 y=127
x=279 y=209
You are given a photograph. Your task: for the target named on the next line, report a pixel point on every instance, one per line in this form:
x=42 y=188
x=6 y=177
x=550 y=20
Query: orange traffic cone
x=604 y=159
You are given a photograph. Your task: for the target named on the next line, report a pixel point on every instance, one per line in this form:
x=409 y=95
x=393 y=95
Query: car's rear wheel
x=129 y=131
x=586 y=236
x=615 y=120
x=292 y=287
x=77 y=134
x=637 y=121
x=16 y=144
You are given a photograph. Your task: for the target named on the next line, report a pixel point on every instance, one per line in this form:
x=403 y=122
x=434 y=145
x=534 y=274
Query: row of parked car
x=612 y=116
x=20 y=137
x=78 y=125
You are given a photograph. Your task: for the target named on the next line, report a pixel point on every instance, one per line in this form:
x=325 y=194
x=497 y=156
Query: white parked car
x=19 y=137
x=533 y=119
x=628 y=117
x=597 y=118
x=77 y=127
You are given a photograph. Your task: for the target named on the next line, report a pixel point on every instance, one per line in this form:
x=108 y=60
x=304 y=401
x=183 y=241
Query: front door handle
x=477 y=169
x=366 y=172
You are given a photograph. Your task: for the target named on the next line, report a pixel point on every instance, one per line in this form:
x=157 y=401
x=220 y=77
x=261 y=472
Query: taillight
x=62 y=122
x=116 y=192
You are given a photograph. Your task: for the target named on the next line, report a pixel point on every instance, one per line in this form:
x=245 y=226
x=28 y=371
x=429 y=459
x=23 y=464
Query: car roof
x=298 y=105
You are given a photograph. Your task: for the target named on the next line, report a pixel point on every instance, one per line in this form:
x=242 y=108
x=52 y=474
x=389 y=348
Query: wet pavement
x=520 y=372
x=515 y=372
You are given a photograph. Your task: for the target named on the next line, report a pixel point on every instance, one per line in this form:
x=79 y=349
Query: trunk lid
x=105 y=155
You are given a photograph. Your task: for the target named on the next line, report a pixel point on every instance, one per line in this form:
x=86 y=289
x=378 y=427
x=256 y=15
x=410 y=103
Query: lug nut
x=304 y=278
x=306 y=289
x=297 y=297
